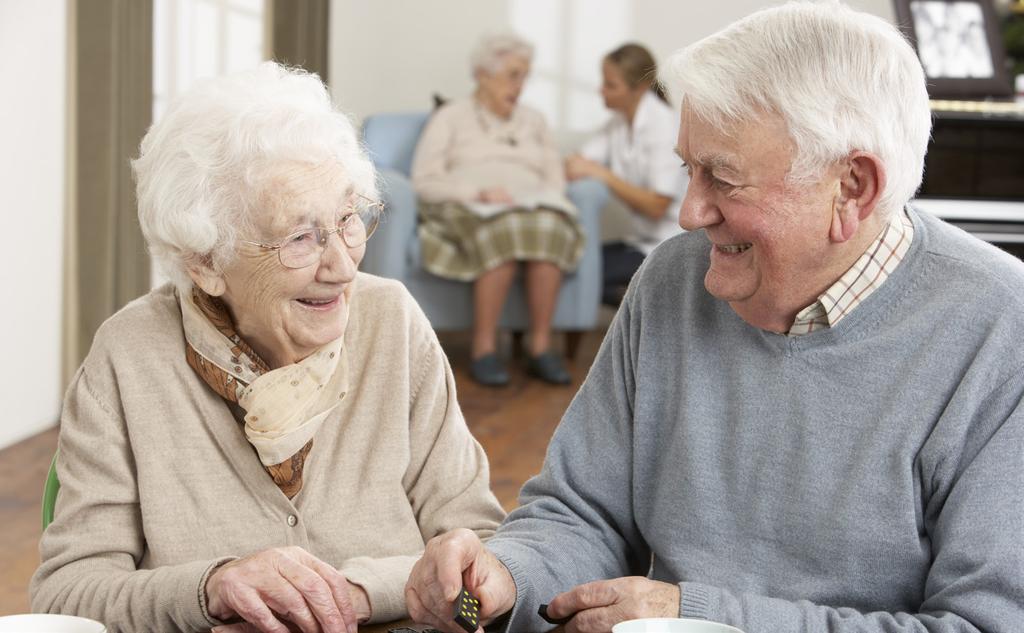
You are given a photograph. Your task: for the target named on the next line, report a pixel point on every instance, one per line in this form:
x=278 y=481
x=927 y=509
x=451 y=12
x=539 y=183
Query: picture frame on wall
x=959 y=45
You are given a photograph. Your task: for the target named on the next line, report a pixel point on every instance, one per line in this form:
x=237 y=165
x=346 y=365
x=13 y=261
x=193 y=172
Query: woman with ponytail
x=634 y=155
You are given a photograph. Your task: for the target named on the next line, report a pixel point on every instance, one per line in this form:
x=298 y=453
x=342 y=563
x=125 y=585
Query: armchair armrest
x=590 y=197
x=583 y=290
x=387 y=251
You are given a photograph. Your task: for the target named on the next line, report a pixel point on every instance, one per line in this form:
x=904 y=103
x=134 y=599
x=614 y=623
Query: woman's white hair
x=204 y=166
x=490 y=52
x=841 y=80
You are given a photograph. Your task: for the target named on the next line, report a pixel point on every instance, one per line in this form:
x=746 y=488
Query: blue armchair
x=394 y=250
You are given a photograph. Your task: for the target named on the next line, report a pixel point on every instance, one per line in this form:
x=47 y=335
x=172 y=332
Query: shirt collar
x=866 y=275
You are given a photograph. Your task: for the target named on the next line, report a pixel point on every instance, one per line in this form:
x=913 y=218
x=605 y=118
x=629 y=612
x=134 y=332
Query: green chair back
x=50 y=492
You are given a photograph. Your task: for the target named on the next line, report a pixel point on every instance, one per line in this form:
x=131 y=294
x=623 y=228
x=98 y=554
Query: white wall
x=667 y=26
x=391 y=55
x=32 y=142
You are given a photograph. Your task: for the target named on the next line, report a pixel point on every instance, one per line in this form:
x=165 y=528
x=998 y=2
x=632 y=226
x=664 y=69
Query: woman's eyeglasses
x=303 y=248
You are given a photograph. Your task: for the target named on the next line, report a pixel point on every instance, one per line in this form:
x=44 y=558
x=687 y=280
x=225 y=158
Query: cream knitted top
x=465 y=148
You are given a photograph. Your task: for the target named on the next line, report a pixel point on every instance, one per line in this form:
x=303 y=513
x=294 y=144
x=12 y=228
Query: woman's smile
x=323 y=304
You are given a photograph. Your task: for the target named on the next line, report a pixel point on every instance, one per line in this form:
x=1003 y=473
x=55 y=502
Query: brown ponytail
x=637 y=66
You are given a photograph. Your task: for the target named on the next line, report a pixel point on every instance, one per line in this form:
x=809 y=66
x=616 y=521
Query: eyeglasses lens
x=304 y=248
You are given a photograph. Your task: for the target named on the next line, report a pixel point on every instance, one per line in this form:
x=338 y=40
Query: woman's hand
x=577 y=167
x=451 y=561
x=495 y=194
x=281 y=586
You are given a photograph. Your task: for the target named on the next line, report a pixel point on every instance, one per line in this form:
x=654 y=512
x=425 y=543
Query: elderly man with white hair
x=807 y=415
x=492 y=191
x=267 y=442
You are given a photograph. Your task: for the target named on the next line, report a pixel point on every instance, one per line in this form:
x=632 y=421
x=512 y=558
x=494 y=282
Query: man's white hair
x=840 y=79
x=490 y=52
x=203 y=168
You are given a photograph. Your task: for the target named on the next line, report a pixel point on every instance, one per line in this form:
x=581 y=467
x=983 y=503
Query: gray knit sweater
x=868 y=477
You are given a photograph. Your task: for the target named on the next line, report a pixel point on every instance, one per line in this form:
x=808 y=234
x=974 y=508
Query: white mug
x=672 y=625
x=49 y=623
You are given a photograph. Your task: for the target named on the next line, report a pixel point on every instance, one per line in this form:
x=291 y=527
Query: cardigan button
x=292 y=520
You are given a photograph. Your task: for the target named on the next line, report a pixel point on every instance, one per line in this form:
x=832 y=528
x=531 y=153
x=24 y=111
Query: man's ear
x=203 y=275
x=861 y=182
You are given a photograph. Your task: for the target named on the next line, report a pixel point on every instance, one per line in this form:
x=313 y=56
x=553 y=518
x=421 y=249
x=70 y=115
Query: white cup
x=49 y=623
x=672 y=625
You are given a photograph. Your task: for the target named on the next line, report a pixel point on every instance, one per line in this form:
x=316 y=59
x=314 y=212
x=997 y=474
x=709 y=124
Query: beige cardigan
x=464 y=148
x=158 y=483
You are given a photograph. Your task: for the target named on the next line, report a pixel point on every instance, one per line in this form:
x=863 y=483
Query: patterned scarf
x=285 y=406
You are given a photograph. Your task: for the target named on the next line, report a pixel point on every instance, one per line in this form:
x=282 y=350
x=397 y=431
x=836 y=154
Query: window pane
x=540 y=22
x=198 y=38
x=244 y=41
x=205 y=42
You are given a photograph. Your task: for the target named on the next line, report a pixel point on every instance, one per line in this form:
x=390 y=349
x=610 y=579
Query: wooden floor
x=513 y=424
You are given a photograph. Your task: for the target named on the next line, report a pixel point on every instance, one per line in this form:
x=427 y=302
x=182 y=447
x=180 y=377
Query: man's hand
x=599 y=605
x=451 y=561
x=279 y=587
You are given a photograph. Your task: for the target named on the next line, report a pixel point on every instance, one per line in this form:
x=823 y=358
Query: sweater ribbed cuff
x=387 y=599
x=523 y=592
x=201 y=589
x=694 y=601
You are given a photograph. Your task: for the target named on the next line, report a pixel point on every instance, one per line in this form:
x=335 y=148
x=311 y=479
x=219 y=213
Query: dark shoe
x=488 y=370
x=549 y=368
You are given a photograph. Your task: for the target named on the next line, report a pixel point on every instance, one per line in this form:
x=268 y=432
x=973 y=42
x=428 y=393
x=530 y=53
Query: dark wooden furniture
x=975 y=155
x=974 y=170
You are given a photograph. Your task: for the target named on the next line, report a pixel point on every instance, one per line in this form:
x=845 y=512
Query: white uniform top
x=644 y=155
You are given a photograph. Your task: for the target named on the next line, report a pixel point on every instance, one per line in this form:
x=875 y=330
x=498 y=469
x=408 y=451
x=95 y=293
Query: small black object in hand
x=543 y=612
x=467 y=611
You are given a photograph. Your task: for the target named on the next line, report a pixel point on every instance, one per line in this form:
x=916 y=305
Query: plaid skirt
x=459 y=244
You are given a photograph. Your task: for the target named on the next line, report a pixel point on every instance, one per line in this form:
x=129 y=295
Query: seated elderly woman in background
x=491 y=186
x=273 y=437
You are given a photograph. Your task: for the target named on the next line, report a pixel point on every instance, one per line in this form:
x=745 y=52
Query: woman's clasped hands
x=284 y=589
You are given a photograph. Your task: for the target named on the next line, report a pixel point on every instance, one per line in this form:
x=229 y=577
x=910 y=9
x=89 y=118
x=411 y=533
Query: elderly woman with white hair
x=491 y=185
x=267 y=442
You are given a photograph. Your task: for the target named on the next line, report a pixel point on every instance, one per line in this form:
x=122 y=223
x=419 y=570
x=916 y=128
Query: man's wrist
x=509 y=596
x=679 y=600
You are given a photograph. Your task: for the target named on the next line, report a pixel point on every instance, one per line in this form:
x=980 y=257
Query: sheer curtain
x=299 y=34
